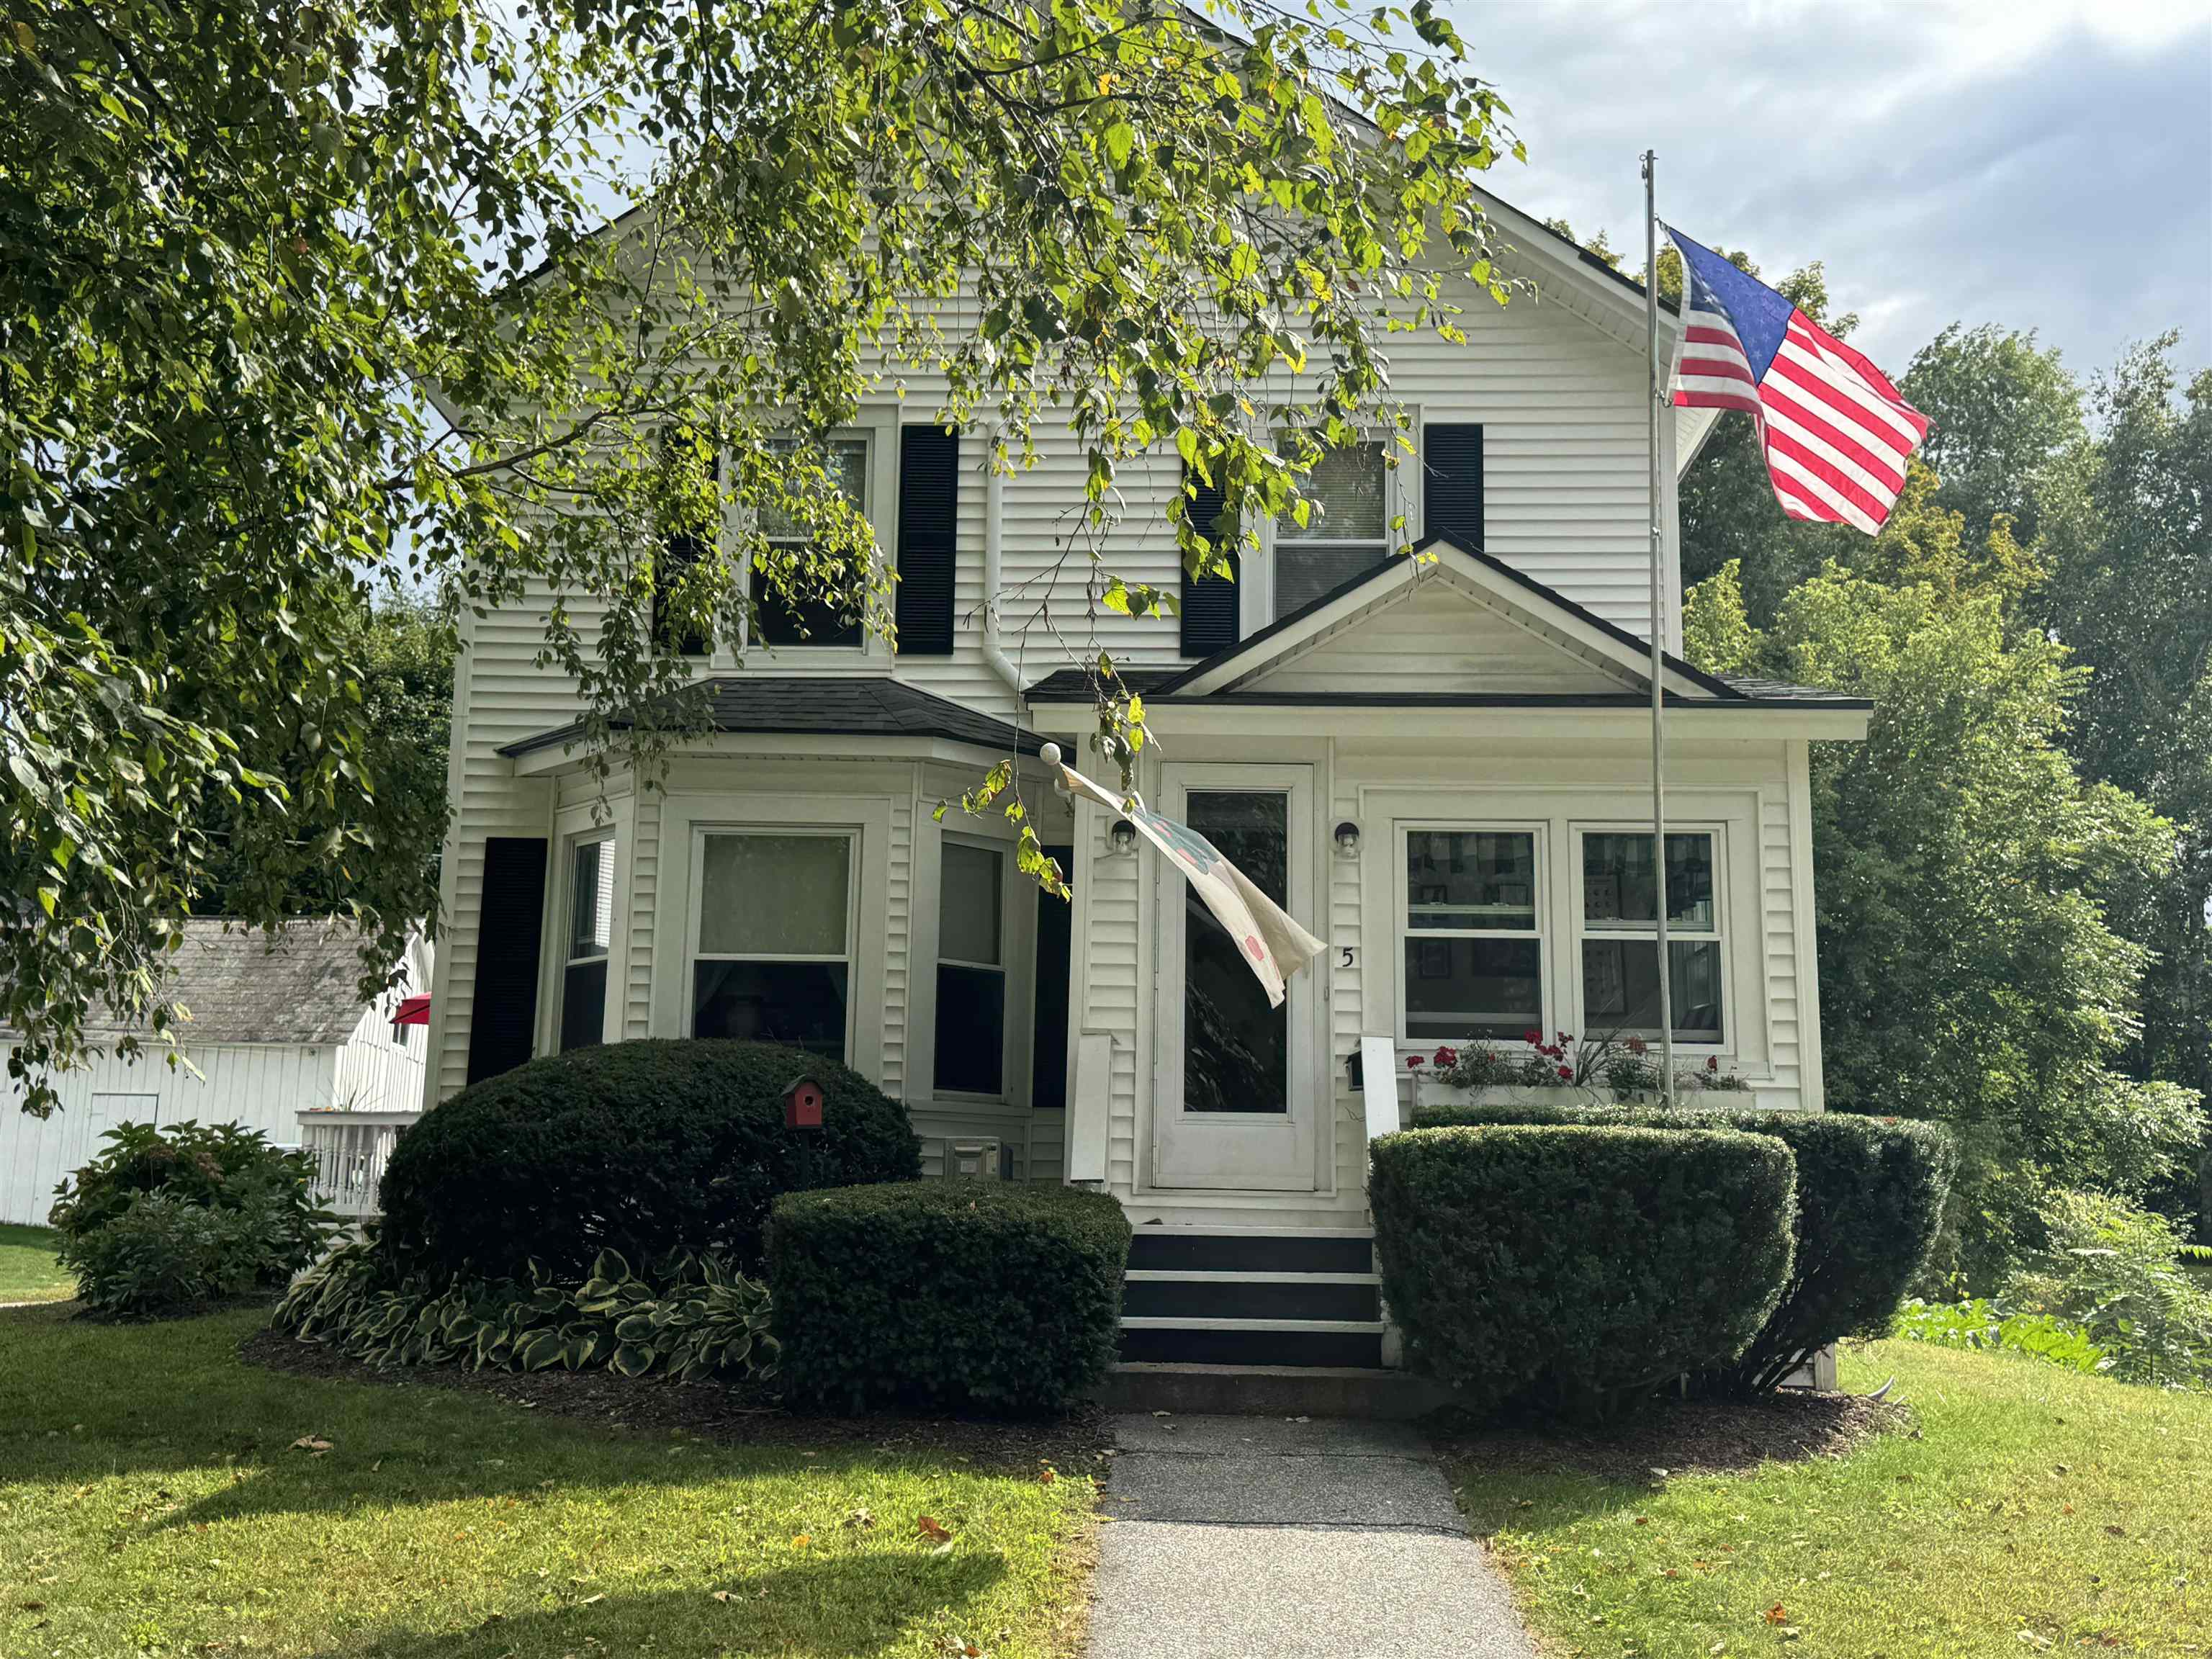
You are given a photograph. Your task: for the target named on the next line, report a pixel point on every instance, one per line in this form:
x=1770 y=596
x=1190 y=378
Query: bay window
x=971 y=970
x=1618 y=947
x=590 y=939
x=772 y=959
x=1472 y=934
x=1348 y=530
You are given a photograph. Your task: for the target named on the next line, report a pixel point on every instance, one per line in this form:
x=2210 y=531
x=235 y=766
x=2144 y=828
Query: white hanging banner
x=1274 y=945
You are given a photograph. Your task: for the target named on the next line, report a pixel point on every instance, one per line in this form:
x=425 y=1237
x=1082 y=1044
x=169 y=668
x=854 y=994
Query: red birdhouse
x=802 y=1104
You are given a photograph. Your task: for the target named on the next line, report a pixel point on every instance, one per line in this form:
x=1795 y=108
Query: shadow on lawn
x=86 y=1400
x=845 y=1607
x=1619 y=1465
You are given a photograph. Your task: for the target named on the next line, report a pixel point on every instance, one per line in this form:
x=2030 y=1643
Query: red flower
x=1712 y=1062
x=1413 y=1062
x=1533 y=1038
x=1568 y=1073
x=1639 y=1046
x=1445 y=1057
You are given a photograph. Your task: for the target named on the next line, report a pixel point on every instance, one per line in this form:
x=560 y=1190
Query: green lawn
x=2039 y=1510
x=28 y=1272
x=152 y=1501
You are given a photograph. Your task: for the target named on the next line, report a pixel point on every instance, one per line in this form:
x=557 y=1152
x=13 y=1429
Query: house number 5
x=1347 y=956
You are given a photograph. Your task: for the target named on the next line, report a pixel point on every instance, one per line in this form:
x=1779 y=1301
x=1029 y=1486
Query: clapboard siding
x=262 y=1085
x=1437 y=640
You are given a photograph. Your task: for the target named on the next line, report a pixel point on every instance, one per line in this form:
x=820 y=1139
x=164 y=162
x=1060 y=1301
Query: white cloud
x=2042 y=164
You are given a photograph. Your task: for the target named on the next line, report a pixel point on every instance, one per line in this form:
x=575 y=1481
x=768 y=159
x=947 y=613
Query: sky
x=2039 y=164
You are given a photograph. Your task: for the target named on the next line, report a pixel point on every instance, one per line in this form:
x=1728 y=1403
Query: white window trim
x=880 y=429
x=1003 y=851
x=1537 y=831
x=1255 y=608
x=1677 y=932
x=695 y=901
x=564 y=902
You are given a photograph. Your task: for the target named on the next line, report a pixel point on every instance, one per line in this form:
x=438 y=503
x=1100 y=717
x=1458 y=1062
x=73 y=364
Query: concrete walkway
x=1254 y=1538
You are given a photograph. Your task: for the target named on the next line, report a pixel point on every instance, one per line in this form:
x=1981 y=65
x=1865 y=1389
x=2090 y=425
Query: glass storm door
x=1233 y=1097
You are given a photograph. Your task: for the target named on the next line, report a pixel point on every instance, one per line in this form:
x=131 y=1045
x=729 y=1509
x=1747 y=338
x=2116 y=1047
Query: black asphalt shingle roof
x=868 y=706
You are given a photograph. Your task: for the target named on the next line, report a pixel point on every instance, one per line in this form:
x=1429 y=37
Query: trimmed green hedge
x=1578 y=1269
x=955 y=1295
x=637 y=1147
x=1870 y=1197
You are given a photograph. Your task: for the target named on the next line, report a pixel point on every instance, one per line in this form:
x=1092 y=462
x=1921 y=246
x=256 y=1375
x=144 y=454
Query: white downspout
x=994 y=512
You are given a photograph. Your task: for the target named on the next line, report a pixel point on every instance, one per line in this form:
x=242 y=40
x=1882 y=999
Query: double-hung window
x=590 y=939
x=1472 y=909
x=772 y=957
x=832 y=618
x=971 y=970
x=1619 y=948
x=1348 y=530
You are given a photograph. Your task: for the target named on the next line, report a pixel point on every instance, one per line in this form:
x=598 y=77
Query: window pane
x=1347 y=489
x=1473 y=987
x=1620 y=988
x=583 y=1005
x=591 y=899
x=1236 y=1048
x=845 y=460
x=969 y=894
x=1303 y=573
x=774 y=894
x=971 y=1030
x=1618 y=889
x=799 y=1003
x=1479 y=879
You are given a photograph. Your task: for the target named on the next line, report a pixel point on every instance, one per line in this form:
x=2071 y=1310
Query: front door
x=1234 y=1096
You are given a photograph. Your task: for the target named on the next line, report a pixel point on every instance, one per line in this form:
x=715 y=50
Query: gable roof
x=826 y=705
x=1619 y=661
x=242 y=986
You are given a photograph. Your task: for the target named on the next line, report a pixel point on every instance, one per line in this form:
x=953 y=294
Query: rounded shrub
x=1577 y=1269
x=166 y=1218
x=1870 y=1198
x=953 y=1295
x=637 y=1147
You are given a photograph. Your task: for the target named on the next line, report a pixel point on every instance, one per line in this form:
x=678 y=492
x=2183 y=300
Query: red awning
x=413 y=1011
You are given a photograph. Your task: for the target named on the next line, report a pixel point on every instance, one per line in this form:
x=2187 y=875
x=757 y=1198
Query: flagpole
x=1658 y=628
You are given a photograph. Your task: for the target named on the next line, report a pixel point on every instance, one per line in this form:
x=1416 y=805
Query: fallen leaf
x=1775 y=1615
x=588 y=1599
x=724 y=1596
x=2117 y=1532
x=930 y=1527
x=801 y=1540
x=312 y=1443
x=1047 y=1474
x=860 y=1518
x=1643 y=1520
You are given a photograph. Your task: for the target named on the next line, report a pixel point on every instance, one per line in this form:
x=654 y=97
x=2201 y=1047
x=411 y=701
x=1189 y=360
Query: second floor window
x=815 y=621
x=1347 y=531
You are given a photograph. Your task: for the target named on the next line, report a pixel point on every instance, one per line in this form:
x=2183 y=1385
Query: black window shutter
x=1451 y=482
x=1209 y=603
x=928 y=539
x=503 y=1019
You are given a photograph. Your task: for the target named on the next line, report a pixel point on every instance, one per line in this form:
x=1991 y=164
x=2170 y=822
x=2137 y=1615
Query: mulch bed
x=1693 y=1437
x=736 y=1414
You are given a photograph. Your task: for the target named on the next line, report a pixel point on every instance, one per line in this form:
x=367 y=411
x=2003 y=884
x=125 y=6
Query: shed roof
x=242 y=986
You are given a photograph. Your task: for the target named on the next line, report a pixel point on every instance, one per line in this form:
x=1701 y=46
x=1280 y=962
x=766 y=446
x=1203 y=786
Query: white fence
x=351 y=1149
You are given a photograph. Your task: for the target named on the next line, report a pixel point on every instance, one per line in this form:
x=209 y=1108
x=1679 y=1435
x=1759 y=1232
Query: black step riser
x=1185 y=1251
x=1204 y=1347
x=1188 y=1298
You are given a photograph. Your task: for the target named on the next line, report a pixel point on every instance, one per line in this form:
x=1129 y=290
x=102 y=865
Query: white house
x=1438 y=764
x=279 y=1032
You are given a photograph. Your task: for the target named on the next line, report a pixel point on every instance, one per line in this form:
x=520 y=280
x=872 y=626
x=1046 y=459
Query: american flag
x=1834 y=430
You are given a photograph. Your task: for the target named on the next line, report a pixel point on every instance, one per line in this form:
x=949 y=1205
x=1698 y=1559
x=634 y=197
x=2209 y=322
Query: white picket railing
x=351 y=1149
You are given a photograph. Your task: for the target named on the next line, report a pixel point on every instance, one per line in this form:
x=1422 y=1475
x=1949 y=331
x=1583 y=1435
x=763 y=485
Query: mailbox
x=802 y=1104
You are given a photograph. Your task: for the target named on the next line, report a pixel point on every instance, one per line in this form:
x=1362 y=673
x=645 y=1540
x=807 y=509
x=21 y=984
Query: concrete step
x=1269 y=1391
x=1202 y=1295
x=1253 y=1249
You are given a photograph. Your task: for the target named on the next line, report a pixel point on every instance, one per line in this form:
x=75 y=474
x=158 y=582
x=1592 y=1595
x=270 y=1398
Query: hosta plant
x=693 y=1318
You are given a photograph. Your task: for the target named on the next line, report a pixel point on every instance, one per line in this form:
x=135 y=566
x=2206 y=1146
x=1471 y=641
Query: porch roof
x=841 y=705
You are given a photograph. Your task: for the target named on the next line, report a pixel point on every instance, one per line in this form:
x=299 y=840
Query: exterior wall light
x=1347 y=840
x=1123 y=834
